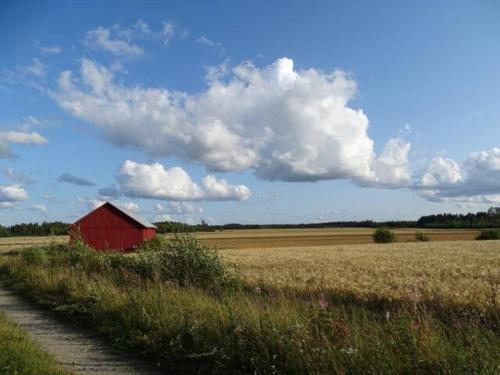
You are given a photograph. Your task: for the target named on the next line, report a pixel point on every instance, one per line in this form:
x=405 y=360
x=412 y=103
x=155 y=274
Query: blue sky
x=264 y=112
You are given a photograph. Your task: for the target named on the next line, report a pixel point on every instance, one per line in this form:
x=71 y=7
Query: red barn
x=111 y=227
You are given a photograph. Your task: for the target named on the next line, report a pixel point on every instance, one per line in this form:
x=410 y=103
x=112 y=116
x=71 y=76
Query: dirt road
x=76 y=351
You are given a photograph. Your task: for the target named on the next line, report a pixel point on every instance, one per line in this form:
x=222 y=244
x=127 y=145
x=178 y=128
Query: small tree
x=382 y=235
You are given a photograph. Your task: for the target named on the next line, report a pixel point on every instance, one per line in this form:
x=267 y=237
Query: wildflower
x=323 y=303
x=349 y=351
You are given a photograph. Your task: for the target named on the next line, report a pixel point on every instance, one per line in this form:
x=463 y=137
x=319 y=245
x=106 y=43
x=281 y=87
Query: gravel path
x=79 y=352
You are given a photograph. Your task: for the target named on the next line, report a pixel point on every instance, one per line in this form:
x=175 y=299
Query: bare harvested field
x=266 y=238
x=458 y=271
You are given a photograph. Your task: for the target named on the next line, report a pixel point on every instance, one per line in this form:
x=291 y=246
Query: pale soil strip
x=78 y=352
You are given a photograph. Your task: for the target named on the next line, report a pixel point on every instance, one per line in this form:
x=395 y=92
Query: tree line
x=479 y=220
x=55 y=228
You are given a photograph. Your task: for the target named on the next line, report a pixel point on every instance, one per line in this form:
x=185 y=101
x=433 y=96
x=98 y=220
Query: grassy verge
x=217 y=324
x=19 y=355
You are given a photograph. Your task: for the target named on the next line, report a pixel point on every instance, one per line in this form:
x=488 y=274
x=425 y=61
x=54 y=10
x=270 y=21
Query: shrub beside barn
x=110 y=227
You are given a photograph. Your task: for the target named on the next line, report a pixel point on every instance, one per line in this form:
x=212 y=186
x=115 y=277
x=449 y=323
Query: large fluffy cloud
x=476 y=180
x=283 y=123
x=155 y=181
x=391 y=166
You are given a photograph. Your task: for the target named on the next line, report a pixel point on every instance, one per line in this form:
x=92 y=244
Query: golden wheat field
x=8 y=244
x=457 y=271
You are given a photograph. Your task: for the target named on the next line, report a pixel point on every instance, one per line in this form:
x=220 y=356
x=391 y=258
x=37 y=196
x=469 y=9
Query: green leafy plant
x=186 y=261
x=383 y=235
x=34 y=255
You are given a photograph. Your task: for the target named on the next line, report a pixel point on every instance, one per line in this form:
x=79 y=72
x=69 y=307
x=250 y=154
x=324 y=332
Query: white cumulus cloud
x=441 y=172
x=12 y=193
x=10 y=137
x=391 y=166
x=22 y=137
x=220 y=189
x=475 y=180
x=155 y=181
x=282 y=123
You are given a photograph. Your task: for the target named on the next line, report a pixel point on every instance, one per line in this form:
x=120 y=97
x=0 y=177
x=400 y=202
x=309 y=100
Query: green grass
x=20 y=356
x=233 y=328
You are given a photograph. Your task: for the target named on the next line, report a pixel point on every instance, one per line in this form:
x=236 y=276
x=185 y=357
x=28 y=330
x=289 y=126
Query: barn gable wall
x=109 y=228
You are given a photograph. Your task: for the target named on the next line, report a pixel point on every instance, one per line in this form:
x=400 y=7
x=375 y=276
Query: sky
x=249 y=112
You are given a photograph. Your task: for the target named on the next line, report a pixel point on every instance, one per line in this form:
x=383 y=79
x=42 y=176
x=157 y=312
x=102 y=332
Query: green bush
x=154 y=244
x=382 y=235
x=34 y=255
x=181 y=259
x=77 y=252
x=490 y=234
x=186 y=261
x=420 y=237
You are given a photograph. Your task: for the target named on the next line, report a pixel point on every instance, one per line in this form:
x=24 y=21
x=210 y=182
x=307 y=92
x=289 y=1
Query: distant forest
x=54 y=228
x=479 y=220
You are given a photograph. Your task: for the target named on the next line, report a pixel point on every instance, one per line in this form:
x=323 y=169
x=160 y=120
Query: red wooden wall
x=148 y=233
x=108 y=228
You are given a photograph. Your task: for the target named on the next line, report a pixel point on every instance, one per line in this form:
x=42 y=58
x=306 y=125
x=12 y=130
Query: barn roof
x=136 y=218
x=140 y=220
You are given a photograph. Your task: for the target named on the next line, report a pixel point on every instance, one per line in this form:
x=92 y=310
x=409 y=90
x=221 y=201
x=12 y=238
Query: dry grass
x=461 y=272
